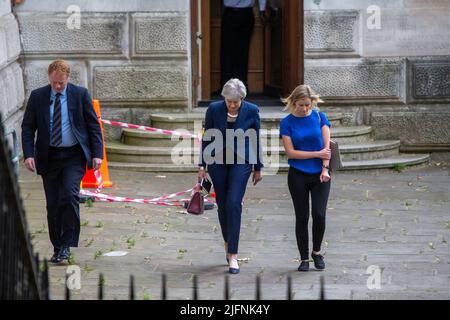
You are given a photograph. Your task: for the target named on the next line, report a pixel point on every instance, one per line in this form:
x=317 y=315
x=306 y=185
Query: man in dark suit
x=68 y=138
x=236 y=31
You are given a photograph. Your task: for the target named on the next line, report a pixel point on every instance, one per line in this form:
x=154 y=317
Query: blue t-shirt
x=306 y=135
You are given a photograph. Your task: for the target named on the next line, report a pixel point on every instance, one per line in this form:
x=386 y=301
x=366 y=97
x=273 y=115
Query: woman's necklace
x=231 y=115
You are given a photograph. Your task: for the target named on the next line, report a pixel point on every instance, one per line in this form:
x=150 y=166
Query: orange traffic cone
x=89 y=180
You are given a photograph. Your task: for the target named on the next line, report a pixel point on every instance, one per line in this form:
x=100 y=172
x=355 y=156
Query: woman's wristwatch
x=326 y=167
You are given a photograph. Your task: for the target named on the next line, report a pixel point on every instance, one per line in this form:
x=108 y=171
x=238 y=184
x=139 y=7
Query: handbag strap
x=320 y=119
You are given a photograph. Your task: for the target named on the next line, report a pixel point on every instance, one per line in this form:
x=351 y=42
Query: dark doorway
x=275 y=58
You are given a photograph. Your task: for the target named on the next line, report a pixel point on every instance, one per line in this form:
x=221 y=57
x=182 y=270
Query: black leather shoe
x=304 y=266
x=64 y=254
x=55 y=257
x=318 y=261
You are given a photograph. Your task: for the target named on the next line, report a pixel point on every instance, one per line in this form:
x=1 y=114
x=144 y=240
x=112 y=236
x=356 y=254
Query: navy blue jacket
x=83 y=120
x=248 y=118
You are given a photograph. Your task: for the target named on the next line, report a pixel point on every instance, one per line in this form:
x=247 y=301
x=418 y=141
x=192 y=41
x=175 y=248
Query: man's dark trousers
x=66 y=168
x=236 y=31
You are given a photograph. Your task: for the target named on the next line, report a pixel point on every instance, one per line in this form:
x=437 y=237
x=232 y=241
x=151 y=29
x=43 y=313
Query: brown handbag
x=335 y=161
x=196 y=204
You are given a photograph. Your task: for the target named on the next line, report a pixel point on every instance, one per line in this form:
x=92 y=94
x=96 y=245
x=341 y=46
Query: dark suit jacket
x=216 y=118
x=83 y=120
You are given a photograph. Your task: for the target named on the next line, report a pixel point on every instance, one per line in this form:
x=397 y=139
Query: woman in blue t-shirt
x=306 y=138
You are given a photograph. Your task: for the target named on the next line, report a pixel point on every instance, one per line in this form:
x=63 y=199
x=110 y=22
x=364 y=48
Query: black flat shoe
x=304 y=266
x=233 y=270
x=318 y=261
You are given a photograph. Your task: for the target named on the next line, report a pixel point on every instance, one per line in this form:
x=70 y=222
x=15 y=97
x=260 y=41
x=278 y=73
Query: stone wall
x=392 y=73
x=133 y=56
x=11 y=79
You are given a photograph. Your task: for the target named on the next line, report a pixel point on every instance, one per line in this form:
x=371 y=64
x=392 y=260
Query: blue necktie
x=56 y=138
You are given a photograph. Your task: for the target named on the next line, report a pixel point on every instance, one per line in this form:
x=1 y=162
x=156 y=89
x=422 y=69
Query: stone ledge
x=100 y=5
x=429 y=79
x=332 y=32
x=442 y=147
x=356 y=80
x=409 y=31
x=412 y=128
x=99 y=33
x=144 y=84
x=159 y=34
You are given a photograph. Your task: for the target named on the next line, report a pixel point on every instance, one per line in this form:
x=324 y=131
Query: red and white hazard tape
x=163 y=131
x=155 y=201
x=165 y=200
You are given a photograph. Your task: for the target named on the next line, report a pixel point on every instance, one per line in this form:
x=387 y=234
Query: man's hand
x=96 y=163
x=257 y=177
x=29 y=164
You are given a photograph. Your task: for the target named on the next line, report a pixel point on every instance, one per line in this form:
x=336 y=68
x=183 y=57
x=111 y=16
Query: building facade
x=381 y=63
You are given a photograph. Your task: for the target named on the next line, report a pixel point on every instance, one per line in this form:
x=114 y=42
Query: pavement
x=386 y=238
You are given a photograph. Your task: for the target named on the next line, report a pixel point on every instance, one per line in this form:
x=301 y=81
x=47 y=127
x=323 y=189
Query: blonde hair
x=59 y=66
x=301 y=92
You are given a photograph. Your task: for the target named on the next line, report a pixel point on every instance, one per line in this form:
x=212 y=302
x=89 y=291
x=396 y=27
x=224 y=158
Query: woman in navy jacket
x=230 y=150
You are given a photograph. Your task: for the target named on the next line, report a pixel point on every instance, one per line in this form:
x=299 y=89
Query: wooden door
x=284 y=49
x=276 y=50
x=256 y=54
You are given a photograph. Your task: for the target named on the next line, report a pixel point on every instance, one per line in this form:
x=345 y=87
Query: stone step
x=151 y=167
x=141 y=154
x=343 y=135
x=370 y=150
x=352 y=152
x=119 y=152
x=350 y=135
x=149 y=139
x=192 y=121
x=391 y=162
x=406 y=160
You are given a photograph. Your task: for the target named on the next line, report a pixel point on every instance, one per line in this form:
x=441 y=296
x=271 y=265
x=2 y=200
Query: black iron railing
x=195 y=296
x=21 y=276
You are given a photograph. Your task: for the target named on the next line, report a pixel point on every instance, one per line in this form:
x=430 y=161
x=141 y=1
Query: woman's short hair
x=301 y=92
x=59 y=66
x=234 y=89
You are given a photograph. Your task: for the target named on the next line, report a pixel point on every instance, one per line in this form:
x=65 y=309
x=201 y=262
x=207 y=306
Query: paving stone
x=399 y=222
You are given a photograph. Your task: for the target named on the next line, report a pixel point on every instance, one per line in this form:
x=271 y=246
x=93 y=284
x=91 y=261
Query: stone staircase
x=154 y=152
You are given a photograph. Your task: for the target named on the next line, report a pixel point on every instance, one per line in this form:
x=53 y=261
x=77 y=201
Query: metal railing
x=15 y=156
x=20 y=274
x=195 y=295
